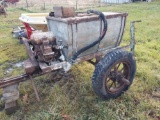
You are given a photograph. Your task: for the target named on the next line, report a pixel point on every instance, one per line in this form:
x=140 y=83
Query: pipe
x=101 y=15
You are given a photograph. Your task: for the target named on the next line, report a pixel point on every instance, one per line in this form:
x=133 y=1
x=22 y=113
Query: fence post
x=27 y=3
x=76 y=4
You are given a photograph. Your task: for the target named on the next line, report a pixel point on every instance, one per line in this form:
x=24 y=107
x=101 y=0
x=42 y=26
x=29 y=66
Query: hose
x=101 y=15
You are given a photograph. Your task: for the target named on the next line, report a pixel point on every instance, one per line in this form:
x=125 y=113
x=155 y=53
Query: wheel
x=114 y=74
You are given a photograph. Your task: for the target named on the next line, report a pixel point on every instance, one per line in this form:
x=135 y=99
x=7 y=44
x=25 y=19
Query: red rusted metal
x=28 y=28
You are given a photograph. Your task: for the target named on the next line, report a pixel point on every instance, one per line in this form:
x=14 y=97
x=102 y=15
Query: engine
x=43 y=45
x=44 y=54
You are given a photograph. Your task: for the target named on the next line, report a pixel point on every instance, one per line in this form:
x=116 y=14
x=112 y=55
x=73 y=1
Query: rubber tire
x=98 y=80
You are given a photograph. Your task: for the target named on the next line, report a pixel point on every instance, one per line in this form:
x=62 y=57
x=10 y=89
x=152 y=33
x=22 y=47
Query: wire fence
x=49 y=4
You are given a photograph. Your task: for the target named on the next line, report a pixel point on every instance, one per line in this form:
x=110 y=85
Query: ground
x=73 y=97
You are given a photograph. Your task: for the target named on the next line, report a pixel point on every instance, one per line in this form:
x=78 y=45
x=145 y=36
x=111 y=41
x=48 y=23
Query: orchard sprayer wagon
x=73 y=38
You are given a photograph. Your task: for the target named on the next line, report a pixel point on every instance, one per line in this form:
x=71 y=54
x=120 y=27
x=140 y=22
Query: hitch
x=132 y=34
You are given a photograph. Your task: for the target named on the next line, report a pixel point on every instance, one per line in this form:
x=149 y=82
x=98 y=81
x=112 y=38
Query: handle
x=132 y=34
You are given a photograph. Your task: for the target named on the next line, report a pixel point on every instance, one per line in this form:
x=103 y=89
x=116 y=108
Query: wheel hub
x=117 y=77
x=113 y=76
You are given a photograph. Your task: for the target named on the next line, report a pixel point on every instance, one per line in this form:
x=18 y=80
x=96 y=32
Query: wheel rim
x=116 y=75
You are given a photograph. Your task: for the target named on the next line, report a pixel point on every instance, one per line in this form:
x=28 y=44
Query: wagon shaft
x=14 y=80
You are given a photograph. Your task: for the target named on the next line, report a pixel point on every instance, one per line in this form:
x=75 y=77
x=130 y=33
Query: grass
x=74 y=97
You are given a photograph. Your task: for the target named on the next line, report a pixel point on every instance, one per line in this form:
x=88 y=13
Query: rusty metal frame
x=79 y=19
x=98 y=54
x=21 y=78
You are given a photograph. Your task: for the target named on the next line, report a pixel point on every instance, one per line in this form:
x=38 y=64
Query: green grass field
x=73 y=98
